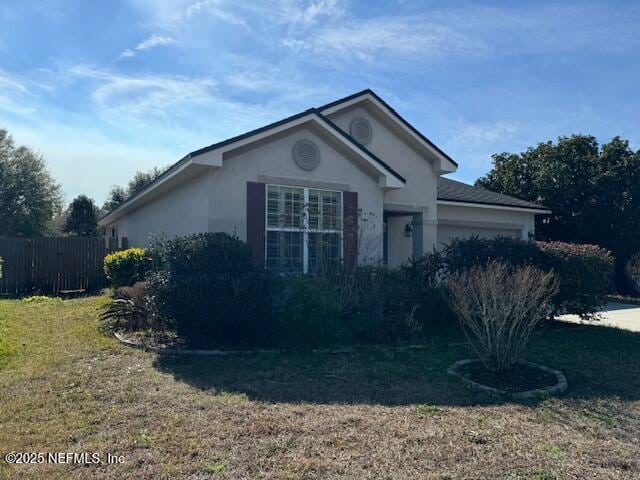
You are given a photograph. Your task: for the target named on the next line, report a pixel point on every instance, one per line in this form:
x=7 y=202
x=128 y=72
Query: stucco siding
x=216 y=199
x=485 y=221
x=272 y=162
x=421 y=183
x=181 y=211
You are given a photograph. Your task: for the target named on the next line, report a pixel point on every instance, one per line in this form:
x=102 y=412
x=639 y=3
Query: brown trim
x=256 y=220
x=350 y=228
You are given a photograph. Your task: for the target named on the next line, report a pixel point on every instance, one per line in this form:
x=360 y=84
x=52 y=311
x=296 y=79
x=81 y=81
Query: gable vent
x=360 y=129
x=306 y=154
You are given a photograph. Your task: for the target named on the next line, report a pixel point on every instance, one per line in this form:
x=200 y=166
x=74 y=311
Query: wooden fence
x=51 y=265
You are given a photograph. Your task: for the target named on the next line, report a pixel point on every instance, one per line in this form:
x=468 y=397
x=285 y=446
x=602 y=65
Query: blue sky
x=103 y=89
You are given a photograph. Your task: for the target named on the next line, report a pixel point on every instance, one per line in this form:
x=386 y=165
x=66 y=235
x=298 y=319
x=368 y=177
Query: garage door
x=447 y=232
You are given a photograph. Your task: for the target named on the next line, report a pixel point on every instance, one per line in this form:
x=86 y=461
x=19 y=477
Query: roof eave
x=466 y=203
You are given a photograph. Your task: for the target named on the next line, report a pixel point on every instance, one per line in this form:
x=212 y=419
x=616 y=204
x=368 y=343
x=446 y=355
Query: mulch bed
x=517 y=379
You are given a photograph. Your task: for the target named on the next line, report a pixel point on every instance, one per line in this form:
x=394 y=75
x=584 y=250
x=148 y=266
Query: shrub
x=632 y=269
x=205 y=253
x=126 y=267
x=207 y=287
x=130 y=309
x=424 y=285
x=377 y=304
x=498 y=307
x=464 y=253
x=310 y=314
x=584 y=274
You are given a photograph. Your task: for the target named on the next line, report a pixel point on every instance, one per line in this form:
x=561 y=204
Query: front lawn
x=377 y=413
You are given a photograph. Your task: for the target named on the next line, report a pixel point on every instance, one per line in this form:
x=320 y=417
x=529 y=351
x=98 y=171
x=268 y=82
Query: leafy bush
x=424 y=278
x=584 y=274
x=377 y=304
x=632 y=269
x=206 y=285
x=205 y=253
x=310 y=313
x=126 y=267
x=130 y=309
x=498 y=307
x=464 y=253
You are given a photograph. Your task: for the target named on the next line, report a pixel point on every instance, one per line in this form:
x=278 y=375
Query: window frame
x=304 y=229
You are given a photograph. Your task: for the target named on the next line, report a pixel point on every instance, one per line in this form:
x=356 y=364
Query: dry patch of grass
x=376 y=413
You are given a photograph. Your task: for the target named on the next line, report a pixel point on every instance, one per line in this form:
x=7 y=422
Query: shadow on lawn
x=598 y=362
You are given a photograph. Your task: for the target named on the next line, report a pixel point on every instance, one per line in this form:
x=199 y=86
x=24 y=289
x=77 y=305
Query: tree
x=119 y=194
x=29 y=197
x=82 y=217
x=594 y=192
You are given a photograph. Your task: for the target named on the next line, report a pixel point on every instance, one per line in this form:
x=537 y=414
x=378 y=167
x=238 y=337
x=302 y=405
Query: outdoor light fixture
x=408 y=230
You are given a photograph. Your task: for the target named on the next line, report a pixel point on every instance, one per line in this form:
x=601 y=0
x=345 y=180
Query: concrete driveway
x=620 y=315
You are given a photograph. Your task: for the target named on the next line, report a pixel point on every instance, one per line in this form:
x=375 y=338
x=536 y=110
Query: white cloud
x=214 y=8
x=378 y=39
x=483 y=133
x=147 y=44
x=154 y=95
x=306 y=12
x=6 y=82
x=454 y=34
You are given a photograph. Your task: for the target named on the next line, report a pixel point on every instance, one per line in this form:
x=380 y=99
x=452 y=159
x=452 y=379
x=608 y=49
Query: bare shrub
x=498 y=308
x=130 y=309
x=633 y=270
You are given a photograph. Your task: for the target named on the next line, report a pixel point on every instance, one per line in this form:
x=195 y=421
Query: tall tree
x=119 y=194
x=29 y=197
x=594 y=192
x=82 y=217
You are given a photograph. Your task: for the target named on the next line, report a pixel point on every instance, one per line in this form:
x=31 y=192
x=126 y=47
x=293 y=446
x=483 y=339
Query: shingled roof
x=454 y=191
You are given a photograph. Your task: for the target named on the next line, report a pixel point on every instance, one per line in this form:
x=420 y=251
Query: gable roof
x=312 y=113
x=454 y=191
x=399 y=117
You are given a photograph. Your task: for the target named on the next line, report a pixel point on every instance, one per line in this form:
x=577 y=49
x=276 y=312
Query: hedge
x=126 y=267
x=584 y=272
x=206 y=286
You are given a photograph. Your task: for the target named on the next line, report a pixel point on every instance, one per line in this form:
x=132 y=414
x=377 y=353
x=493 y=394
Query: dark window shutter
x=350 y=232
x=256 y=212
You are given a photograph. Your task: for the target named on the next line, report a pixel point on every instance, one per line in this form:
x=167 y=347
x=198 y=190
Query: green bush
x=424 y=278
x=378 y=305
x=205 y=253
x=310 y=313
x=207 y=287
x=584 y=274
x=463 y=253
x=126 y=267
x=632 y=269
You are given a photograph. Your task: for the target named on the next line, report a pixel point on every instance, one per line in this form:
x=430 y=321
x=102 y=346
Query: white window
x=304 y=229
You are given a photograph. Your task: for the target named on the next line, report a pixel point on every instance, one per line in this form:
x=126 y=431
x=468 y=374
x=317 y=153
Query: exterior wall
x=421 y=186
x=181 y=211
x=464 y=221
x=217 y=199
x=273 y=163
x=420 y=190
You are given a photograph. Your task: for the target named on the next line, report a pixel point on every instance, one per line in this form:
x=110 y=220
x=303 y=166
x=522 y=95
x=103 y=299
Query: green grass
x=376 y=412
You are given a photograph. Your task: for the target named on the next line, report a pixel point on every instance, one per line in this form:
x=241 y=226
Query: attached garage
x=465 y=210
x=447 y=232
